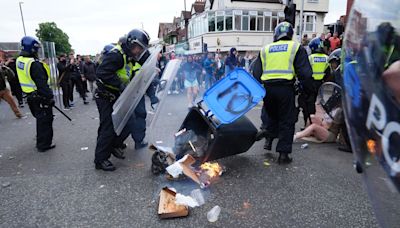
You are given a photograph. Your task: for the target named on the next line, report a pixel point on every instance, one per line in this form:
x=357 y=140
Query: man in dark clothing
x=64 y=80
x=75 y=74
x=33 y=78
x=5 y=94
x=231 y=61
x=14 y=83
x=89 y=72
x=276 y=67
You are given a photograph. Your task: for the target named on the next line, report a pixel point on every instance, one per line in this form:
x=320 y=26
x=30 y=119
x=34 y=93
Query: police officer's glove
x=49 y=102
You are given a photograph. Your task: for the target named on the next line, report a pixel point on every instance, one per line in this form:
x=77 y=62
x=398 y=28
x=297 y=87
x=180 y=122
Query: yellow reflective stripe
x=277 y=71
x=292 y=55
x=264 y=57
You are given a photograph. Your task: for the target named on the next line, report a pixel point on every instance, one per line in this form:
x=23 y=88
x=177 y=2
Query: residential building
x=248 y=25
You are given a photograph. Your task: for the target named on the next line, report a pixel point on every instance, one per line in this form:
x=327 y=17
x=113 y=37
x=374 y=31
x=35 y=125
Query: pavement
x=61 y=188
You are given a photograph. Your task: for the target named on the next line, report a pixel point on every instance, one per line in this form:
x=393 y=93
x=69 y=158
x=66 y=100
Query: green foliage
x=48 y=31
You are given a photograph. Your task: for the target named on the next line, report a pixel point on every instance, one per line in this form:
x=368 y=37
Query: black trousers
x=75 y=81
x=44 y=122
x=280 y=110
x=106 y=136
x=66 y=90
x=137 y=123
x=16 y=90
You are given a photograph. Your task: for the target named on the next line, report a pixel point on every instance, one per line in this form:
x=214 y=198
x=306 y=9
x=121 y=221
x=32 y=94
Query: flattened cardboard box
x=167 y=208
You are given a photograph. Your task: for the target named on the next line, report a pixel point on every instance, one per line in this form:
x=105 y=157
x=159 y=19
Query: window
x=267 y=21
x=281 y=17
x=309 y=22
x=228 y=21
x=220 y=21
x=274 y=20
x=253 y=18
x=245 y=22
x=238 y=19
x=211 y=22
x=260 y=22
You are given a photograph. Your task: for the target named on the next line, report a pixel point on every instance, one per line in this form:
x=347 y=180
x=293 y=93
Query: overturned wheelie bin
x=216 y=126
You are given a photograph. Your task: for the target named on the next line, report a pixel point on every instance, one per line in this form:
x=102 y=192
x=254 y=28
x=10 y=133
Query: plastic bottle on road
x=304 y=146
x=212 y=215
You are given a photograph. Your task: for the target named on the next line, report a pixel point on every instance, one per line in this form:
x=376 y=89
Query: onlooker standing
x=219 y=67
x=5 y=93
x=64 y=81
x=247 y=62
x=327 y=43
x=76 y=79
x=231 y=61
x=209 y=67
x=89 y=72
x=191 y=84
x=334 y=41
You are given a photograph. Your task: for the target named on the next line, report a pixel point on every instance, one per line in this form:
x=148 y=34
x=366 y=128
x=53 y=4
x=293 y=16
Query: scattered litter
x=304 y=146
x=159 y=142
x=212 y=215
x=185 y=200
x=18 y=173
x=1 y=155
x=180 y=132
x=198 y=196
x=11 y=158
x=34 y=169
x=6 y=184
x=84 y=148
x=95 y=118
x=102 y=186
x=167 y=208
x=175 y=169
x=169 y=114
x=266 y=163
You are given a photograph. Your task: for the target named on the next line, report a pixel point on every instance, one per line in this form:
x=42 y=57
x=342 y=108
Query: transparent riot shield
x=129 y=99
x=329 y=98
x=48 y=56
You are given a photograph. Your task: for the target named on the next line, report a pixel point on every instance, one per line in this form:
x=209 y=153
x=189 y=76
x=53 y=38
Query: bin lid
x=233 y=96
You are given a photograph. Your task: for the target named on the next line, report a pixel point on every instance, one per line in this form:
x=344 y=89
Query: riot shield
x=129 y=99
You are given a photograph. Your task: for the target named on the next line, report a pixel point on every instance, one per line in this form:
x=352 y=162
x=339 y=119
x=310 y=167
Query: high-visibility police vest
x=277 y=60
x=24 y=74
x=125 y=72
x=319 y=64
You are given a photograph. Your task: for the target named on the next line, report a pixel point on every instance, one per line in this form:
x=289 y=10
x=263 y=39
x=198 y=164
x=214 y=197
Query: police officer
x=113 y=74
x=33 y=78
x=276 y=67
x=320 y=67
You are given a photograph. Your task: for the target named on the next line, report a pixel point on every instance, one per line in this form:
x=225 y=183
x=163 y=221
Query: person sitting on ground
x=323 y=127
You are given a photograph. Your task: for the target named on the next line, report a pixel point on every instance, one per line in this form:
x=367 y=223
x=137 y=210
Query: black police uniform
x=105 y=99
x=279 y=101
x=40 y=103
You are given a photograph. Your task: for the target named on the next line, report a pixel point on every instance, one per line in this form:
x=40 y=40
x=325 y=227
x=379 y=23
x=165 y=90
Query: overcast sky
x=91 y=24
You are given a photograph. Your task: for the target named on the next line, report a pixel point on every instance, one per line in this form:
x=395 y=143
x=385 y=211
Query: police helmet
x=30 y=45
x=316 y=45
x=283 y=30
x=107 y=48
x=335 y=55
x=138 y=38
x=371 y=95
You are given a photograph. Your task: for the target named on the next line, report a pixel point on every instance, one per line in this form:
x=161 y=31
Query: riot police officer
x=113 y=74
x=319 y=64
x=33 y=78
x=276 y=67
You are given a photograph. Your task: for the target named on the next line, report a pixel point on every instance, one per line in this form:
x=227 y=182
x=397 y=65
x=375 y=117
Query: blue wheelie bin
x=220 y=116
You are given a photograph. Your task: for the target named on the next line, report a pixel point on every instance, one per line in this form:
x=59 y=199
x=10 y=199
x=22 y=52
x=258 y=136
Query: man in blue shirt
x=209 y=67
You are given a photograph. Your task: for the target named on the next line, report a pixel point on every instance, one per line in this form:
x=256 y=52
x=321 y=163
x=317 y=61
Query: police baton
x=62 y=113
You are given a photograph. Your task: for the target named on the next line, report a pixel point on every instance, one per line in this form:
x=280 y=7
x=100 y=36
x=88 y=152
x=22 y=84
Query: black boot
x=118 y=153
x=284 y=158
x=268 y=143
x=105 y=165
x=52 y=146
x=140 y=145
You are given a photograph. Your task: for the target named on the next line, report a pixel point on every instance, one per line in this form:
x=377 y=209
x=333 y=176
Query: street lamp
x=22 y=16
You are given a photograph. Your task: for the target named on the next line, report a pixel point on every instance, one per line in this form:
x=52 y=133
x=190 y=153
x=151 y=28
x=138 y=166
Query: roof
x=198 y=7
x=163 y=26
x=10 y=46
x=186 y=15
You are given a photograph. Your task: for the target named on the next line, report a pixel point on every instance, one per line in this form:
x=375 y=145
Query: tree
x=48 y=31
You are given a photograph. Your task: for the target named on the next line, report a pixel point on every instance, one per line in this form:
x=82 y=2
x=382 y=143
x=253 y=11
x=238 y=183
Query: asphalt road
x=61 y=188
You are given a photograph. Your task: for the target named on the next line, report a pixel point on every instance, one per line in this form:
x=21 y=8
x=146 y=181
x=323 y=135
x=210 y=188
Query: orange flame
x=212 y=169
x=371 y=146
